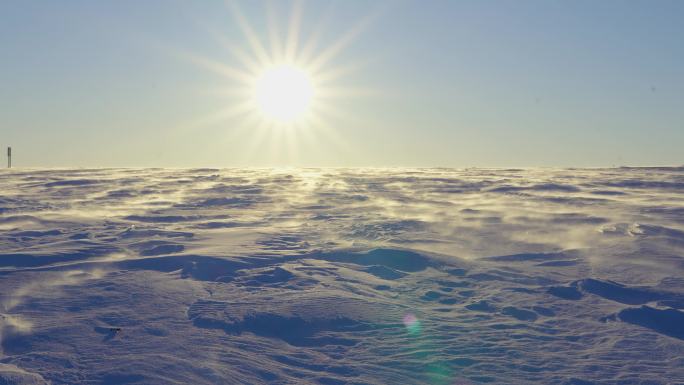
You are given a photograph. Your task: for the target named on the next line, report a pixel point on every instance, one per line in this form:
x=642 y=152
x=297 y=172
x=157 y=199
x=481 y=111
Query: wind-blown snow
x=342 y=276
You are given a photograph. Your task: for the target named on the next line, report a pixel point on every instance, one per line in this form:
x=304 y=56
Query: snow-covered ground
x=342 y=276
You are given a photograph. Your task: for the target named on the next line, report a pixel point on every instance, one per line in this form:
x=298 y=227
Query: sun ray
x=235 y=110
x=338 y=92
x=291 y=145
x=274 y=37
x=309 y=47
x=229 y=91
x=327 y=138
x=248 y=61
x=275 y=142
x=340 y=44
x=293 y=31
x=325 y=109
x=221 y=68
x=324 y=127
x=252 y=38
x=330 y=74
x=258 y=133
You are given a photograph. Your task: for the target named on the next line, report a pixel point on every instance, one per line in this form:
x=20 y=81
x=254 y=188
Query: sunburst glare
x=285 y=88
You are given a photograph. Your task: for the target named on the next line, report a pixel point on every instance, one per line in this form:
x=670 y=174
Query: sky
x=408 y=83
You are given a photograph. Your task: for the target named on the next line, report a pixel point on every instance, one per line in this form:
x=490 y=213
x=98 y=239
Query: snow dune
x=342 y=276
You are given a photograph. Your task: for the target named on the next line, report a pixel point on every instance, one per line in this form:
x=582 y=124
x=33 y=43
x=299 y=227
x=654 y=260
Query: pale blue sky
x=446 y=83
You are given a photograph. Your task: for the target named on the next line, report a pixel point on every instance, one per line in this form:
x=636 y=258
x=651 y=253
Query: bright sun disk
x=284 y=93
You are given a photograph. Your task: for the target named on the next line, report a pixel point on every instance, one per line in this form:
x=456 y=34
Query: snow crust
x=342 y=276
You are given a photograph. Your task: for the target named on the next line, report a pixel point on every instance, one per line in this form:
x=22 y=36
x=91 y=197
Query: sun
x=284 y=93
x=285 y=86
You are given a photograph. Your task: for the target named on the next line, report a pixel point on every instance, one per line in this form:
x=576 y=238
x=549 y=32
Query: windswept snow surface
x=342 y=276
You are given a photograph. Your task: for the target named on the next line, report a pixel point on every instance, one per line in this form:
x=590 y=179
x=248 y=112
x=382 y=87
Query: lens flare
x=412 y=323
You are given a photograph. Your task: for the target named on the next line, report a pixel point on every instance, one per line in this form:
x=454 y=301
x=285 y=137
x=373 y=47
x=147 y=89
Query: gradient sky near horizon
x=440 y=83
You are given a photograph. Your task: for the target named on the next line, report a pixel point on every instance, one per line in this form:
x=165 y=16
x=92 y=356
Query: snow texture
x=342 y=276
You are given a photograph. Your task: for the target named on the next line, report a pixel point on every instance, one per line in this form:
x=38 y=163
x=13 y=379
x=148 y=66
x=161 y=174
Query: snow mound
x=12 y=375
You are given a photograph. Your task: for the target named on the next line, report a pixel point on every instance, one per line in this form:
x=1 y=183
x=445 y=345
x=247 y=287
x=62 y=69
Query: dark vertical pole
x=9 y=157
